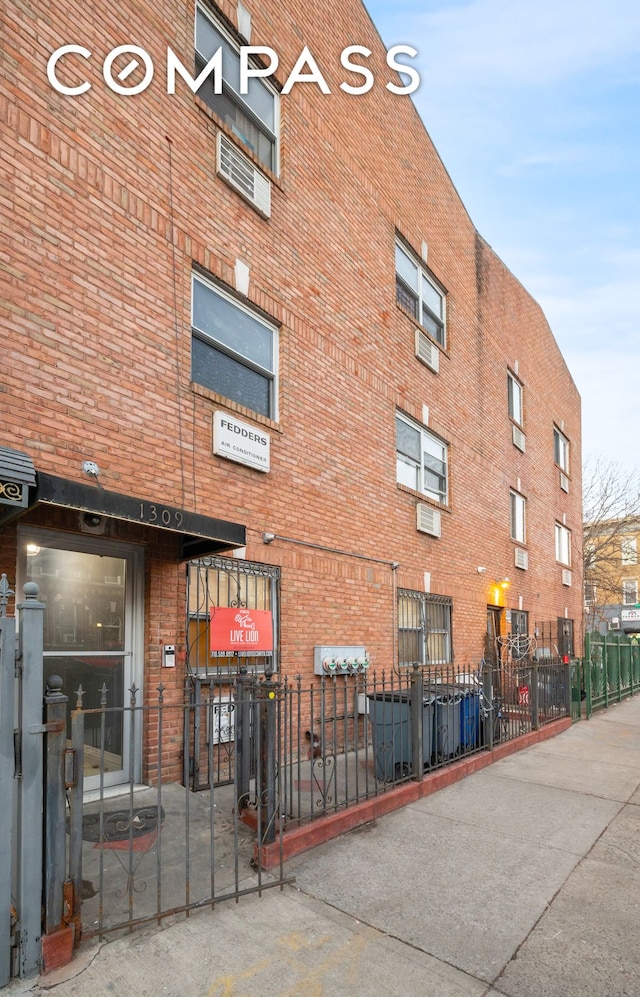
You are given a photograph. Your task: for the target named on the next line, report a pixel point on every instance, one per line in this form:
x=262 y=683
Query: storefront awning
x=199 y=535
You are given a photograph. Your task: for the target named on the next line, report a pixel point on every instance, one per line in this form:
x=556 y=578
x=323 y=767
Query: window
x=417 y=294
x=629 y=550
x=424 y=628
x=630 y=592
x=421 y=460
x=561 y=450
x=515 y=398
x=590 y=594
x=252 y=117
x=518 y=518
x=233 y=352
x=563 y=544
x=227 y=582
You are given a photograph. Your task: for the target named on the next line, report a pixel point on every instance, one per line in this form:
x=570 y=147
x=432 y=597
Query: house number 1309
x=152 y=514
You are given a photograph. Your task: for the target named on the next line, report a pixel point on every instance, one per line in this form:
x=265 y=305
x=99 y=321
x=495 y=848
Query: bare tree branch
x=611 y=509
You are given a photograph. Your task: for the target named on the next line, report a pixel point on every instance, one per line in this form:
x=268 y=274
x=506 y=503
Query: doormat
x=122 y=826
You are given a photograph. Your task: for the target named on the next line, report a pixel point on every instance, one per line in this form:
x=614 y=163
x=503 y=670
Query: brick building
x=260 y=330
x=611 y=575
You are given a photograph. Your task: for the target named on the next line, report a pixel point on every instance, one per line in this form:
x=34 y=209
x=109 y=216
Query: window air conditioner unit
x=519 y=439
x=566 y=576
x=240 y=173
x=429 y=520
x=427 y=352
x=614 y=624
x=564 y=482
x=522 y=558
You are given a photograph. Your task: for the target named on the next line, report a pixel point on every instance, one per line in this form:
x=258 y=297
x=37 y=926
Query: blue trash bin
x=469 y=719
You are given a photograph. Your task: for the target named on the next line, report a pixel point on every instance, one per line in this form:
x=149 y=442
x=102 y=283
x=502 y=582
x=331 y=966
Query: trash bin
x=390 y=716
x=447 y=721
x=469 y=719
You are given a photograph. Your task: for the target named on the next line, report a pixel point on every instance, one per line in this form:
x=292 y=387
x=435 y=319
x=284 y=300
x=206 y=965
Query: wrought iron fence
x=351 y=738
x=139 y=853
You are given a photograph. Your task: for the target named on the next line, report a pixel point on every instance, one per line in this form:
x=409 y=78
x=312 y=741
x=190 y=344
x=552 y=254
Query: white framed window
x=518 y=517
x=629 y=550
x=233 y=350
x=253 y=117
x=561 y=450
x=563 y=544
x=629 y=592
x=514 y=395
x=419 y=295
x=421 y=460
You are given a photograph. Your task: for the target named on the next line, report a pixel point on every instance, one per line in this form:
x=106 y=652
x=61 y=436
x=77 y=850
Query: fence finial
x=5 y=593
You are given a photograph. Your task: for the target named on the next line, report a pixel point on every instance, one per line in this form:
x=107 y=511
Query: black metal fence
x=347 y=739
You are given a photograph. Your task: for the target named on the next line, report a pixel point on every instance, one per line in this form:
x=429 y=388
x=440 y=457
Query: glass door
x=89 y=639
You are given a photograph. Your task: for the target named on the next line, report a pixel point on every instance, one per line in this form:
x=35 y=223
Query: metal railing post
x=76 y=791
x=416 y=702
x=7 y=763
x=30 y=789
x=535 y=702
x=244 y=684
x=54 y=804
x=267 y=695
x=487 y=695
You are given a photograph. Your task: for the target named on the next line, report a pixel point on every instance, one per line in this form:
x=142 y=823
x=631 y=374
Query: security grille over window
x=238 y=170
x=229 y=583
x=424 y=628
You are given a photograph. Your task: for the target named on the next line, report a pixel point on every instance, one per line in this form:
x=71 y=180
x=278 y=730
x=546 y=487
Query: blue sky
x=534 y=109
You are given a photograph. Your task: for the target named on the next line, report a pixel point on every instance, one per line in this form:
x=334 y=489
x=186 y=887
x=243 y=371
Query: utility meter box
x=330 y=659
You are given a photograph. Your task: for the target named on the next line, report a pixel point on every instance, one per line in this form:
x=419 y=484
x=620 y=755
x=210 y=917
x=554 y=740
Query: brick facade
x=112 y=201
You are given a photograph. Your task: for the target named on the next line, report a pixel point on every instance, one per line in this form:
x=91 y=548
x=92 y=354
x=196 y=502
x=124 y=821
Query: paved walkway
x=521 y=880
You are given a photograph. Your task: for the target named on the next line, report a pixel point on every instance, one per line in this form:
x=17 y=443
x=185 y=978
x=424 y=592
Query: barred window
x=227 y=582
x=424 y=628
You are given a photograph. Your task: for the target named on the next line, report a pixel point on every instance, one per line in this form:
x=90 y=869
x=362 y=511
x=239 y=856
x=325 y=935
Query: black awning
x=17 y=473
x=199 y=535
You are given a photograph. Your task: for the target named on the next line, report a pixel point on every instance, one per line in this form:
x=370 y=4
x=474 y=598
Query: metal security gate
x=159 y=849
x=22 y=754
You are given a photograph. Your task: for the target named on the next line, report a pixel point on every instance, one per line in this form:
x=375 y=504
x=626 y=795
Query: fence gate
x=21 y=786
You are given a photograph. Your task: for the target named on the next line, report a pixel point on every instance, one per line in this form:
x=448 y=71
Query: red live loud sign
x=241 y=629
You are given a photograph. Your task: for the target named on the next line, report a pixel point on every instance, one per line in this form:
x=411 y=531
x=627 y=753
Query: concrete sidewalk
x=521 y=880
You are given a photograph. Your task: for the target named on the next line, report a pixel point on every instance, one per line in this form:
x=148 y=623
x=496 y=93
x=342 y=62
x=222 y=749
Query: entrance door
x=92 y=625
x=491 y=651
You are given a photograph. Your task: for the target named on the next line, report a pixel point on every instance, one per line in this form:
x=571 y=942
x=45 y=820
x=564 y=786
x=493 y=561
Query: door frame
x=133 y=554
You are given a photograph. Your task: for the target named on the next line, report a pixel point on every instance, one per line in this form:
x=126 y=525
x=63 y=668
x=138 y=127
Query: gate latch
x=53 y=727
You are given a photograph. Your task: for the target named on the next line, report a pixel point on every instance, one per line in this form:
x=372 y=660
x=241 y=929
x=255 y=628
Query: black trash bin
x=390 y=716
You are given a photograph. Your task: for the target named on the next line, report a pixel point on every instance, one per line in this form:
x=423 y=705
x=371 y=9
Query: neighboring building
x=258 y=357
x=611 y=575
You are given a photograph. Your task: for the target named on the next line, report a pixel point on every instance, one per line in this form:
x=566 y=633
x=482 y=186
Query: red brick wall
x=109 y=202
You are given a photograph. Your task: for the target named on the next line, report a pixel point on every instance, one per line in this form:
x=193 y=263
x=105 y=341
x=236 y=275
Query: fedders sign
x=236 y=630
